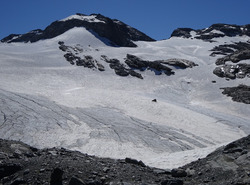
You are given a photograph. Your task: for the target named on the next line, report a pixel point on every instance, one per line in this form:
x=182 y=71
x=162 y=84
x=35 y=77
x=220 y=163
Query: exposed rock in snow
x=226 y=49
x=240 y=93
x=235 y=57
x=233 y=71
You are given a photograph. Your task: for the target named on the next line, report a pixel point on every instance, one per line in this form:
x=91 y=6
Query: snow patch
x=90 y=18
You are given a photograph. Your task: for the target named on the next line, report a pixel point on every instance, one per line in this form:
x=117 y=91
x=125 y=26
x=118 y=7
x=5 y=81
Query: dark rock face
x=76 y=181
x=230 y=71
x=60 y=166
x=233 y=71
x=9 y=169
x=235 y=57
x=120 y=69
x=116 y=31
x=214 y=31
x=172 y=182
x=86 y=61
x=135 y=62
x=178 y=173
x=227 y=49
x=240 y=93
x=179 y=63
x=56 y=177
x=182 y=32
x=227 y=165
x=134 y=161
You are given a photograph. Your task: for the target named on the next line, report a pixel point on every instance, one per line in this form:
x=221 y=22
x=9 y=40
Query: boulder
x=76 y=181
x=178 y=173
x=134 y=161
x=9 y=169
x=56 y=177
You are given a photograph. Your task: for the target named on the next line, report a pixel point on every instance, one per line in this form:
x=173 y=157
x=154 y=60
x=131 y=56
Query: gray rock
x=178 y=173
x=76 y=181
x=172 y=182
x=56 y=177
x=9 y=169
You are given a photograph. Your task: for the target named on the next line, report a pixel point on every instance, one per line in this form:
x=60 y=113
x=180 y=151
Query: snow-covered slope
x=46 y=102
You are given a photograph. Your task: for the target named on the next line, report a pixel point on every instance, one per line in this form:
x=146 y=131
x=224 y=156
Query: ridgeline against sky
x=156 y=19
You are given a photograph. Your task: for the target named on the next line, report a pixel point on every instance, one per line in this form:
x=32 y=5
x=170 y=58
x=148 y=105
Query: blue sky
x=155 y=18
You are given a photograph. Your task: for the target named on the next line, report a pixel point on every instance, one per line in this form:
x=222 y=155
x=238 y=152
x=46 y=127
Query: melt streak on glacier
x=47 y=102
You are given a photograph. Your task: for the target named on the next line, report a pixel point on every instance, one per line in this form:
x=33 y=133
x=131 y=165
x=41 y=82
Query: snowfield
x=47 y=102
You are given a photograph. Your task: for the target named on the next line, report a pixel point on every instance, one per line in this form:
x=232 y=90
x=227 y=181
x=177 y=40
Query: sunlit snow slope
x=45 y=101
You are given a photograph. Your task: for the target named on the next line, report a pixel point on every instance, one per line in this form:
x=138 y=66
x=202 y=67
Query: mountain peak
x=83 y=17
x=119 y=33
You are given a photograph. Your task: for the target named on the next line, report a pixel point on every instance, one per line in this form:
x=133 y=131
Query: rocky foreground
x=22 y=164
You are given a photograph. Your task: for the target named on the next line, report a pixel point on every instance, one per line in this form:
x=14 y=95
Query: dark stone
x=135 y=62
x=227 y=49
x=76 y=181
x=230 y=146
x=61 y=43
x=178 y=173
x=182 y=32
x=233 y=71
x=106 y=169
x=120 y=69
x=9 y=169
x=94 y=182
x=56 y=177
x=134 y=161
x=235 y=57
x=154 y=100
x=135 y=74
x=18 y=181
x=240 y=93
x=27 y=171
x=179 y=63
x=172 y=182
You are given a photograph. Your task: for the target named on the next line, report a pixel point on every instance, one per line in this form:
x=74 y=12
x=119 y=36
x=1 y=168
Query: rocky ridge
x=117 y=32
x=214 y=31
x=23 y=164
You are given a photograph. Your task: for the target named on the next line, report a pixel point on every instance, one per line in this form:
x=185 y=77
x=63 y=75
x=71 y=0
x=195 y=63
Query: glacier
x=47 y=102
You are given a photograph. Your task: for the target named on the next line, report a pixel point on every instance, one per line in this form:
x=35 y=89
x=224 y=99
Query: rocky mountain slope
x=22 y=164
x=160 y=102
x=117 y=33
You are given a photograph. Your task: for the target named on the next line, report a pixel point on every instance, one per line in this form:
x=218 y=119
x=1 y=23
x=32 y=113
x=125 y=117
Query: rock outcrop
x=240 y=93
x=230 y=71
x=234 y=53
x=227 y=49
x=132 y=65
